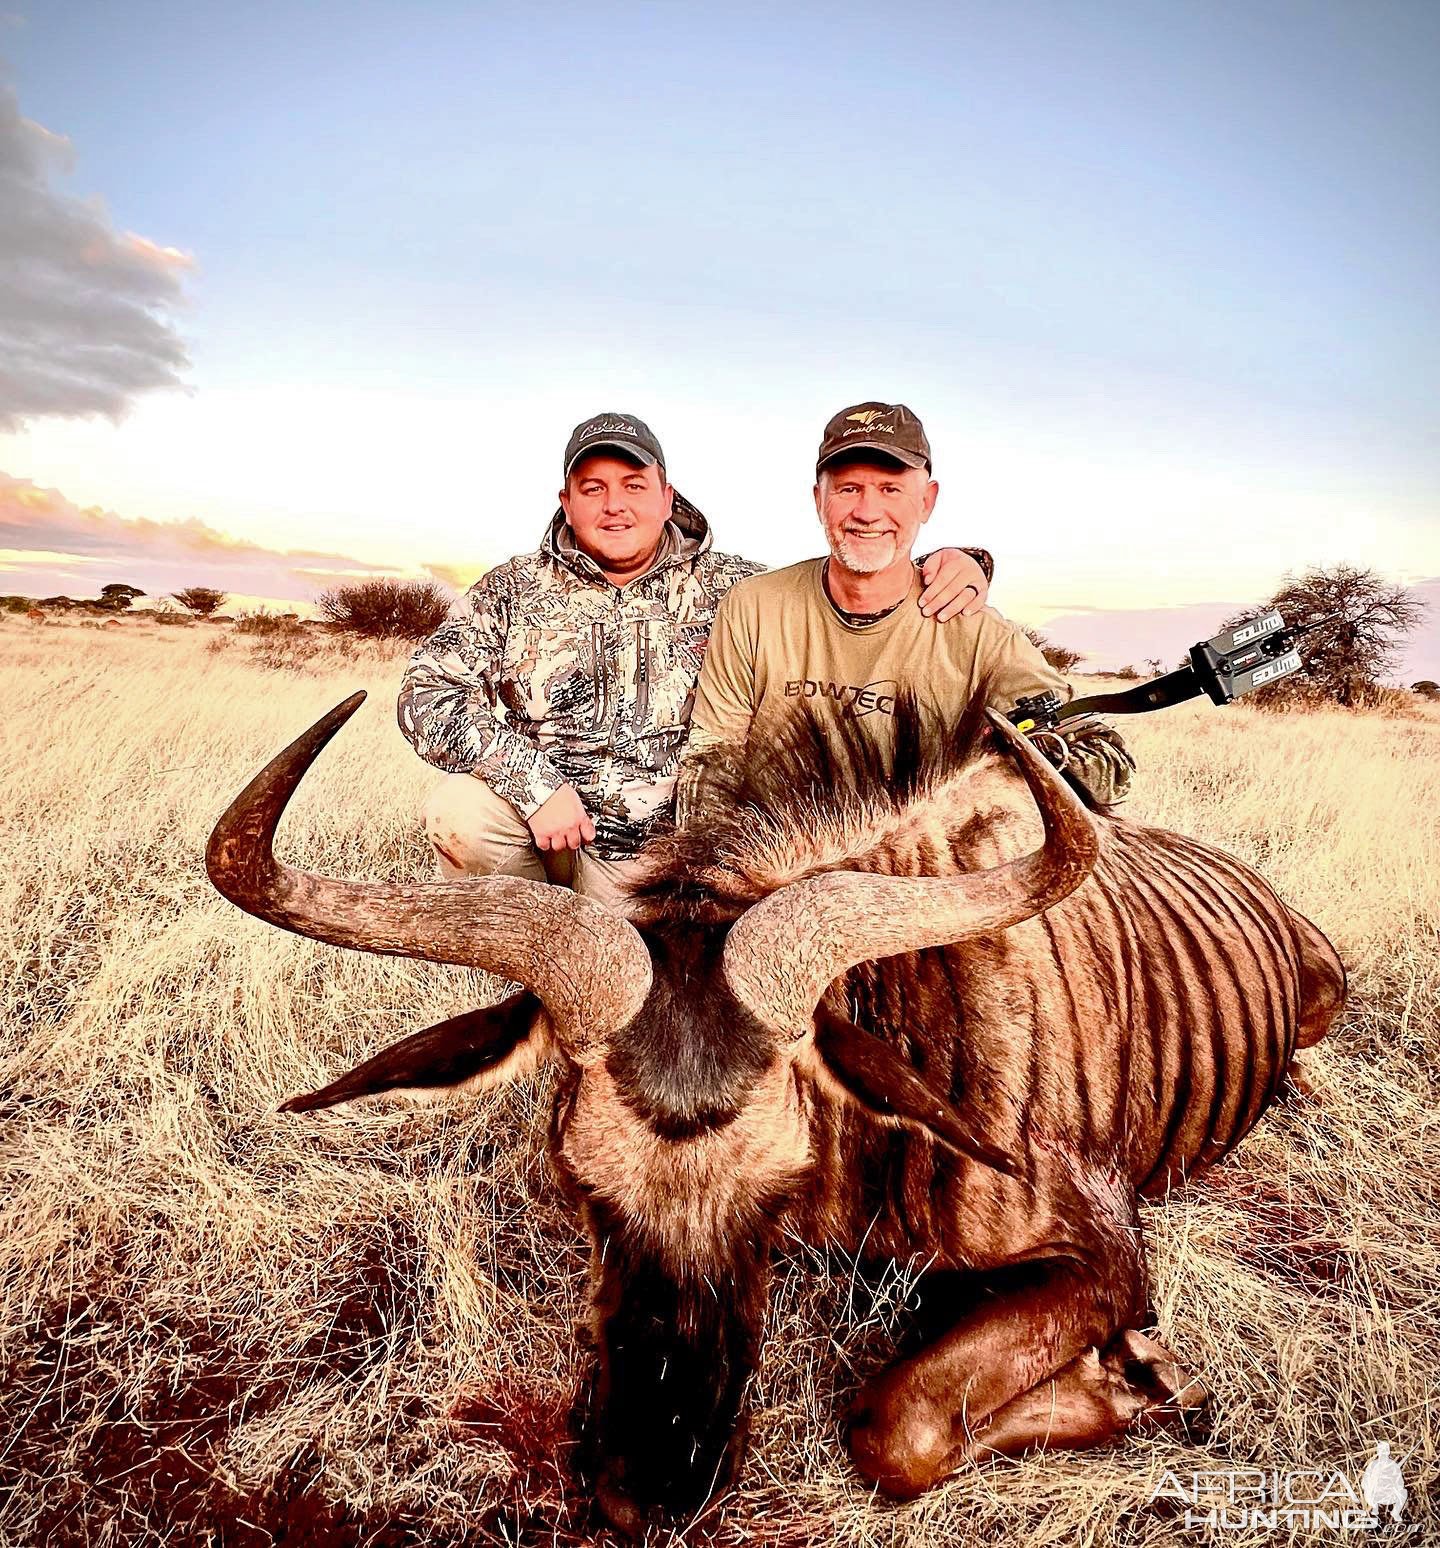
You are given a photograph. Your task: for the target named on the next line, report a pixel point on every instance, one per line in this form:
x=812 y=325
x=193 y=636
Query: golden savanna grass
x=222 y=1325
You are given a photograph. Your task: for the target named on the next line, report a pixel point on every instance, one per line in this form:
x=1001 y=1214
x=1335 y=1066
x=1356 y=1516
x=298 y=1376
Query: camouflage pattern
x=1099 y=763
x=546 y=674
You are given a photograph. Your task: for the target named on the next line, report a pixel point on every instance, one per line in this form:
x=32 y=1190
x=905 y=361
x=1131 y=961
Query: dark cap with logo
x=622 y=433
x=889 y=428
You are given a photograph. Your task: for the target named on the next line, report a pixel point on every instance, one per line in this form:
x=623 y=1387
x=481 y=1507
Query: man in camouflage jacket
x=557 y=695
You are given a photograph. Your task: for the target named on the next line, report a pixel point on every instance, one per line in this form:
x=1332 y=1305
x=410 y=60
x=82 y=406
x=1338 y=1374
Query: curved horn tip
x=279 y=777
x=1003 y=724
x=328 y=724
x=346 y=708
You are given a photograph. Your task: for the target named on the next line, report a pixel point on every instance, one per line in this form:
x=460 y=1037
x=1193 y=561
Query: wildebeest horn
x=588 y=966
x=783 y=953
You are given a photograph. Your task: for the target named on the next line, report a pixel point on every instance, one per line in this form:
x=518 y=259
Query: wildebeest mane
x=815 y=797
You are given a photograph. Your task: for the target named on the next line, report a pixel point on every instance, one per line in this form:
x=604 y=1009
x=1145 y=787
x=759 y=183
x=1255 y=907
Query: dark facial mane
x=811 y=782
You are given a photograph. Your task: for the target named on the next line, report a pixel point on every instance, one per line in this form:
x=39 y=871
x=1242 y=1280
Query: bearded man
x=839 y=636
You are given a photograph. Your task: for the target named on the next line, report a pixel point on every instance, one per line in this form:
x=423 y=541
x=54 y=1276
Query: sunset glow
x=1163 y=358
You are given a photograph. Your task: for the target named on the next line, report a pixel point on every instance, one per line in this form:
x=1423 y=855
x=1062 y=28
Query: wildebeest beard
x=677 y=1348
x=679 y=1297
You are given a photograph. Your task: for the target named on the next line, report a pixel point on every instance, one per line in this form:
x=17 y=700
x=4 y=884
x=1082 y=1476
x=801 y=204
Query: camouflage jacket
x=546 y=673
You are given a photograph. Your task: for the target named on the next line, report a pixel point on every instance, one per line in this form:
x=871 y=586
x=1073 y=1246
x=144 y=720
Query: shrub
x=167 y=616
x=15 y=604
x=387 y=608
x=1127 y=672
x=268 y=625
x=1426 y=688
x=1300 y=697
x=285 y=652
x=277 y=640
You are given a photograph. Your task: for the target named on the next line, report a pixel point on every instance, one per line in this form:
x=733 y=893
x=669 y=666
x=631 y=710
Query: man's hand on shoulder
x=561 y=822
x=955 y=585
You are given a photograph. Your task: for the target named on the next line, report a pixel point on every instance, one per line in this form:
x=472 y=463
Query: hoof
x=1085 y=1403
x=900 y=1448
x=1171 y=1395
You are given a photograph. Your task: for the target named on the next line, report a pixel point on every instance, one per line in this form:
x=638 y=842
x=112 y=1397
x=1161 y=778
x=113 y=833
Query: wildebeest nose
x=618 y=1508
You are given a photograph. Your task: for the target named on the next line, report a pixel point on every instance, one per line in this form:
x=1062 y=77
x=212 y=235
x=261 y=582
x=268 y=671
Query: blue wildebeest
x=923 y=1002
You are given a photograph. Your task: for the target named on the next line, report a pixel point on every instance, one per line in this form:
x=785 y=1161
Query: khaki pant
x=475 y=832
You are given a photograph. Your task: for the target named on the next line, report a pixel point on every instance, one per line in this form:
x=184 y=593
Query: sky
x=289 y=293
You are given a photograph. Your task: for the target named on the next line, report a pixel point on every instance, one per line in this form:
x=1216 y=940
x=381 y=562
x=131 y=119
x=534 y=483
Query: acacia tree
x=1061 y=657
x=117 y=596
x=1351 y=623
x=202 y=601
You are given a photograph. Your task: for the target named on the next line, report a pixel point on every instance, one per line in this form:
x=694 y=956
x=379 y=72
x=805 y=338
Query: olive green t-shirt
x=778 y=643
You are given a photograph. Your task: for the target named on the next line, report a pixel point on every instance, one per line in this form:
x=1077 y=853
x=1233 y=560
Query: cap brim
x=636 y=454
x=891 y=453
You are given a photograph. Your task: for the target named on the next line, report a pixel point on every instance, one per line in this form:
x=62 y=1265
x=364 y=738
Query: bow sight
x=1236 y=662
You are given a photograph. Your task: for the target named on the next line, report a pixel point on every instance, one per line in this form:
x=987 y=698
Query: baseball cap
x=623 y=433
x=890 y=428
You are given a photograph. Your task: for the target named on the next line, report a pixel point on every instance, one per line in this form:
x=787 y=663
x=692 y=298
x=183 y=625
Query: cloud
x=458 y=577
x=82 y=325
x=48 y=545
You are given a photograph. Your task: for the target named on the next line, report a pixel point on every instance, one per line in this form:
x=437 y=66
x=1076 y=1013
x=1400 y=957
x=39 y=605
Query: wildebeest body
x=1027 y=1018
x=1118 y=1043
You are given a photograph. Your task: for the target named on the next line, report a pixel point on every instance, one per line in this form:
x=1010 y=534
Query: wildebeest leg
x=1097 y=1396
x=1322 y=982
x=912 y=1423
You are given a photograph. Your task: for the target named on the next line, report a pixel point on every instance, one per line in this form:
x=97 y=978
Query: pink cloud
x=85 y=309
x=48 y=545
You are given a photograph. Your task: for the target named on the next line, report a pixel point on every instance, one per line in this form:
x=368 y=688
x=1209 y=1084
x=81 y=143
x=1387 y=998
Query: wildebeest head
x=691 y=1042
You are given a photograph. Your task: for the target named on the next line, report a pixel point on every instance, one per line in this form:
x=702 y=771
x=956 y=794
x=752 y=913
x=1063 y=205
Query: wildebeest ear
x=470 y=1052
x=875 y=1076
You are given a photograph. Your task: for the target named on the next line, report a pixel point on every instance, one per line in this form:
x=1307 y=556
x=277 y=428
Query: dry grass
x=224 y=1326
